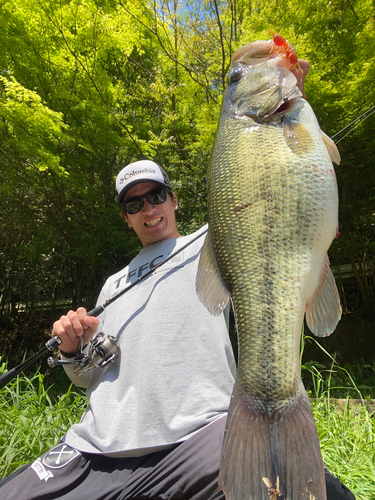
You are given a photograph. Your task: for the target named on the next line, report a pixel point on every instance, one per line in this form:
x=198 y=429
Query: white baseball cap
x=137 y=172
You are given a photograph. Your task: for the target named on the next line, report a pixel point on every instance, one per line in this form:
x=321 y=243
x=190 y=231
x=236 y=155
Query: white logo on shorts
x=60 y=456
x=42 y=473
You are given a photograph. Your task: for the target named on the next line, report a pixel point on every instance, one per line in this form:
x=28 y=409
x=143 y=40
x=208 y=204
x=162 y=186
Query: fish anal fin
x=331 y=148
x=297 y=136
x=324 y=311
x=209 y=285
x=271 y=453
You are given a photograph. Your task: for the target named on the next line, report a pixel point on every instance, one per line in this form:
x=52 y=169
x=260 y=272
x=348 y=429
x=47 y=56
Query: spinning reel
x=99 y=353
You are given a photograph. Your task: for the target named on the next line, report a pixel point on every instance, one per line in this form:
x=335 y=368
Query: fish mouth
x=153 y=222
x=264 y=92
x=276 y=114
x=287 y=105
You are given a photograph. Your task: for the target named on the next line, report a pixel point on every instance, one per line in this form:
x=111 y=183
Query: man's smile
x=153 y=222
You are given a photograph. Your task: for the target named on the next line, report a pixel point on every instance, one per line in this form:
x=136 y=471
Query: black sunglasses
x=154 y=197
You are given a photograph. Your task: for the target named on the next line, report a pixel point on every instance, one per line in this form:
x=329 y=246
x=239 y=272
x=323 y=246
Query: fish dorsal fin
x=324 y=311
x=210 y=286
x=331 y=148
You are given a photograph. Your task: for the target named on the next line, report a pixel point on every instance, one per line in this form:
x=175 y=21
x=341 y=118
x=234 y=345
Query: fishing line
x=365 y=115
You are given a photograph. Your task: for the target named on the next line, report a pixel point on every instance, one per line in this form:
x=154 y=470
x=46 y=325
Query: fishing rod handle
x=96 y=311
x=54 y=342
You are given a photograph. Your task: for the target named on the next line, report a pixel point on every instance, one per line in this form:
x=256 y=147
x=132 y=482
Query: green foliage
x=86 y=87
x=343 y=406
x=32 y=420
x=347 y=441
x=27 y=127
x=335 y=381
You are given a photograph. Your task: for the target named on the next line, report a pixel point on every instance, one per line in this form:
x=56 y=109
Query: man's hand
x=300 y=72
x=72 y=326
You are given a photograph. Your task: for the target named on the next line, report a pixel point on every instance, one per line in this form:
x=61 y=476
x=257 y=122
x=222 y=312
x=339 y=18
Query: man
x=155 y=423
x=156 y=417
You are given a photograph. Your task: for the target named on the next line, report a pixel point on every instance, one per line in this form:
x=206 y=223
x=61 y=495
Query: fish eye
x=236 y=73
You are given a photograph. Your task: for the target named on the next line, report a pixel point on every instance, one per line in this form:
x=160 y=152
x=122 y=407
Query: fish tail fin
x=271 y=456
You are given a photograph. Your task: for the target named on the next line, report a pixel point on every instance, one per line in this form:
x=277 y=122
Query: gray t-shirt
x=176 y=371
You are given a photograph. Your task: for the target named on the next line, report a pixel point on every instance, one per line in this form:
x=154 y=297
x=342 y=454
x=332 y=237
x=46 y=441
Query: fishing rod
x=54 y=342
x=365 y=115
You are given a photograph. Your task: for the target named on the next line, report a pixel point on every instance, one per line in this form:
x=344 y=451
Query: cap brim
x=134 y=183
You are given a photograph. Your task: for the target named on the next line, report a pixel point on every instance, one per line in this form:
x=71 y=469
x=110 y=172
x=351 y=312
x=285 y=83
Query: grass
x=33 y=420
x=347 y=437
x=345 y=420
x=356 y=381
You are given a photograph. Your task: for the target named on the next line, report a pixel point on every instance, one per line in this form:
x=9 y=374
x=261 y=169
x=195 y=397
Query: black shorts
x=187 y=471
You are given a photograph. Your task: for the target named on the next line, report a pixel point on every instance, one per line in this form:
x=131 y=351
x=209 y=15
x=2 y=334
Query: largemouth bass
x=273 y=213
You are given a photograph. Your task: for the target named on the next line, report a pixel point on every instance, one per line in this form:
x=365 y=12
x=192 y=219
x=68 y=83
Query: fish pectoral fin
x=324 y=311
x=297 y=136
x=209 y=285
x=331 y=148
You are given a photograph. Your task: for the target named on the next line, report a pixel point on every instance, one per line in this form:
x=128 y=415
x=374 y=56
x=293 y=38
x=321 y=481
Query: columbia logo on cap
x=136 y=172
x=140 y=171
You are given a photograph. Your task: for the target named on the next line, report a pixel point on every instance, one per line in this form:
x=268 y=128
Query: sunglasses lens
x=133 y=206
x=154 y=197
